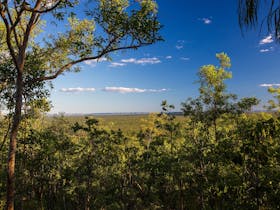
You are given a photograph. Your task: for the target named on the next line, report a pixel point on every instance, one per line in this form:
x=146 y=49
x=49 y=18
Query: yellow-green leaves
x=81 y=25
x=224 y=60
x=274 y=104
x=2 y=32
x=149 y=5
x=119 y=5
x=212 y=77
x=81 y=31
x=273 y=90
x=77 y=42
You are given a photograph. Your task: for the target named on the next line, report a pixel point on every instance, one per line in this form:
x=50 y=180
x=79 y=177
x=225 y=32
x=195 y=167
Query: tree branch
x=13 y=26
x=70 y=64
x=34 y=17
x=42 y=11
x=8 y=37
x=17 y=19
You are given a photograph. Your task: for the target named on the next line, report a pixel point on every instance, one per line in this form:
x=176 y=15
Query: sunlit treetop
x=212 y=77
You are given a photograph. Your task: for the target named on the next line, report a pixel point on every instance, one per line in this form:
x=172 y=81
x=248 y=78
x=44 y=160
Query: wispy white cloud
x=93 y=63
x=116 y=64
x=206 y=21
x=266 y=40
x=142 y=61
x=123 y=90
x=132 y=90
x=112 y=89
x=180 y=44
x=168 y=57
x=270 y=85
x=185 y=58
x=148 y=61
x=130 y=60
x=179 y=47
x=77 y=89
x=264 y=50
x=156 y=90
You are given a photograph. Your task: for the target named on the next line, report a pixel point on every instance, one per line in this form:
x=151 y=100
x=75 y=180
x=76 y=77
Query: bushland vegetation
x=219 y=156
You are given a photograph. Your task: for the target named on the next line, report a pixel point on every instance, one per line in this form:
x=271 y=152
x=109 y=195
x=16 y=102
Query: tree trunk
x=13 y=143
x=181 y=207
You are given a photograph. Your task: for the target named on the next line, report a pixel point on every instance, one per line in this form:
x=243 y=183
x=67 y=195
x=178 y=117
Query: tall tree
x=213 y=90
x=107 y=26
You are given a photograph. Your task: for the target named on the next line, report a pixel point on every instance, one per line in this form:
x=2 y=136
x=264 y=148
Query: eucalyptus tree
x=106 y=26
x=213 y=100
x=204 y=133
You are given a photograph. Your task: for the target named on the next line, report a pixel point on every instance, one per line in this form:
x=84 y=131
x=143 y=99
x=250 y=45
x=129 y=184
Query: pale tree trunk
x=13 y=143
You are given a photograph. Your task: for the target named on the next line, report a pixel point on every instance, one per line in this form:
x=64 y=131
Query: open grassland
x=130 y=123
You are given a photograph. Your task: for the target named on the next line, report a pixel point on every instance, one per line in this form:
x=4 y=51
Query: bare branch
x=69 y=65
x=17 y=19
x=13 y=27
x=33 y=19
x=8 y=37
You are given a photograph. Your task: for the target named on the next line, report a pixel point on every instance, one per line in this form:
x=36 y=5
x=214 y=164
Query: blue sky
x=194 y=31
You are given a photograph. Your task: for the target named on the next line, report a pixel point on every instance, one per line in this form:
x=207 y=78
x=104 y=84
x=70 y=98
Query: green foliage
x=170 y=164
x=28 y=62
x=211 y=79
x=213 y=101
x=31 y=91
x=274 y=104
x=217 y=157
x=246 y=104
